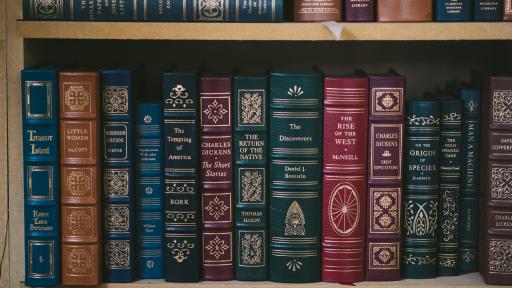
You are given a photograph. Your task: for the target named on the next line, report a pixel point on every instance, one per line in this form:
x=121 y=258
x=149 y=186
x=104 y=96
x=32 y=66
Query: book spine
x=104 y=10
x=250 y=97
x=359 y=10
x=497 y=202
x=449 y=187
x=259 y=11
x=47 y=10
x=295 y=176
x=419 y=259
x=452 y=10
x=164 y=11
x=404 y=11
x=217 y=178
x=385 y=181
x=468 y=225
x=319 y=11
x=344 y=179
x=507 y=10
x=41 y=177
x=181 y=194
x=80 y=177
x=118 y=176
x=488 y=10
x=149 y=190
x=223 y=11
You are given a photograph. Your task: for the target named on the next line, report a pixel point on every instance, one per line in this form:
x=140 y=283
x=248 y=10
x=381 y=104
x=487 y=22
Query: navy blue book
x=182 y=187
x=41 y=176
x=164 y=11
x=149 y=190
x=47 y=9
x=488 y=10
x=104 y=10
x=452 y=10
x=118 y=176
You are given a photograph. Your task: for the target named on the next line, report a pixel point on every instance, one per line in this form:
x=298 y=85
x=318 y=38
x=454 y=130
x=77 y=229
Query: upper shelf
x=264 y=31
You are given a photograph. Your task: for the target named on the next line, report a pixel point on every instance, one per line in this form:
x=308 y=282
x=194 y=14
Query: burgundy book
x=217 y=177
x=316 y=11
x=386 y=117
x=359 y=10
x=496 y=227
x=80 y=175
x=344 y=181
x=507 y=10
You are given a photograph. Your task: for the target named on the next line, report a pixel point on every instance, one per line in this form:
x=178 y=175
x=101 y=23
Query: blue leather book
x=468 y=225
x=104 y=10
x=452 y=10
x=118 y=176
x=47 y=9
x=164 y=11
x=488 y=10
x=41 y=176
x=250 y=97
x=259 y=11
x=149 y=190
x=181 y=196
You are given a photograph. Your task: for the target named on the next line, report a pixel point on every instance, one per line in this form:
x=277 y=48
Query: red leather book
x=217 y=178
x=344 y=181
x=385 y=144
x=507 y=10
x=80 y=177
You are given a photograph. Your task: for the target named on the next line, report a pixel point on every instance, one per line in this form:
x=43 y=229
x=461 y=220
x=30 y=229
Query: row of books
x=269 y=10
x=291 y=176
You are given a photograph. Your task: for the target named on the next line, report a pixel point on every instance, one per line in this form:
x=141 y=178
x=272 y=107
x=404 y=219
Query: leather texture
x=488 y=10
x=385 y=176
x=153 y=11
x=359 y=10
x=507 y=10
x=38 y=10
x=149 y=190
x=468 y=225
x=118 y=176
x=295 y=176
x=344 y=180
x=104 y=10
x=450 y=161
x=181 y=193
x=404 y=10
x=452 y=10
x=217 y=177
x=497 y=160
x=223 y=11
x=316 y=11
x=250 y=102
x=41 y=176
x=421 y=182
x=80 y=177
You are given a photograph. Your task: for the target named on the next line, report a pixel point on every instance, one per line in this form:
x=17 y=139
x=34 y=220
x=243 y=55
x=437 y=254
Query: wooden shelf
x=263 y=31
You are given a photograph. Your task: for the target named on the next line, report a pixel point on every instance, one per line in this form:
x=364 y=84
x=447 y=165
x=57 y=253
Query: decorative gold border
x=398 y=199
x=387 y=89
x=358 y=202
x=216 y=97
x=263 y=247
x=397 y=255
x=103 y=101
x=264 y=104
x=49 y=170
x=230 y=208
x=240 y=188
x=87 y=85
x=115 y=124
x=48 y=85
x=400 y=155
x=31 y=244
x=230 y=249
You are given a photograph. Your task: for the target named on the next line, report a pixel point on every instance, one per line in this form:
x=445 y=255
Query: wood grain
x=4 y=249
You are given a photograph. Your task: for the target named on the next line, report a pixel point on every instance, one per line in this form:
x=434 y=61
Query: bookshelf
x=428 y=53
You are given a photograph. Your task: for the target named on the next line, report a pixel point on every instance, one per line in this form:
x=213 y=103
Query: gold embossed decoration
x=294 y=265
x=217 y=247
x=78 y=183
x=117 y=253
x=79 y=261
x=344 y=209
x=471 y=106
x=215 y=111
x=115 y=100
x=251 y=104
x=211 y=10
x=77 y=98
x=117 y=218
x=501 y=183
x=384 y=207
x=178 y=97
x=252 y=249
x=116 y=183
x=384 y=255
x=295 y=221
x=252 y=186
x=295 y=91
x=468 y=256
x=47 y=9
x=502 y=106
x=421 y=218
x=418 y=260
x=78 y=222
x=500 y=256
x=180 y=249
x=216 y=208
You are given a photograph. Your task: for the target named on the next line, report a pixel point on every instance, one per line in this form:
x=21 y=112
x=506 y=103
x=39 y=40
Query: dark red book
x=344 y=181
x=217 y=178
x=386 y=117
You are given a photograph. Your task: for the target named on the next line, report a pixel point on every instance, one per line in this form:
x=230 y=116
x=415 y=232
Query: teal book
x=295 y=140
x=250 y=94
x=421 y=182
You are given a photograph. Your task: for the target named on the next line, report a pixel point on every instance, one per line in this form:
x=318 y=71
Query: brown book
x=404 y=10
x=507 y=10
x=316 y=11
x=80 y=177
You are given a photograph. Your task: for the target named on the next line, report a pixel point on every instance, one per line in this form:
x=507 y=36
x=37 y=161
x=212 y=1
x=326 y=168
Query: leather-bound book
x=118 y=176
x=404 y=10
x=220 y=11
x=40 y=100
x=181 y=161
x=250 y=99
x=421 y=183
x=507 y=10
x=149 y=190
x=452 y=10
x=80 y=177
x=47 y=10
x=488 y=10
x=217 y=177
x=295 y=139
x=450 y=142
x=359 y=10
x=103 y=10
x=496 y=158
x=385 y=171
x=470 y=181
x=344 y=179
x=316 y=11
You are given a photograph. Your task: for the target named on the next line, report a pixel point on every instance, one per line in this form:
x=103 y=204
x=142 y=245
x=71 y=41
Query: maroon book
x=507 y=10
x=496 y=244
x=217 y=178
x=359 y=10
x=344 y=181
x=386 y=117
